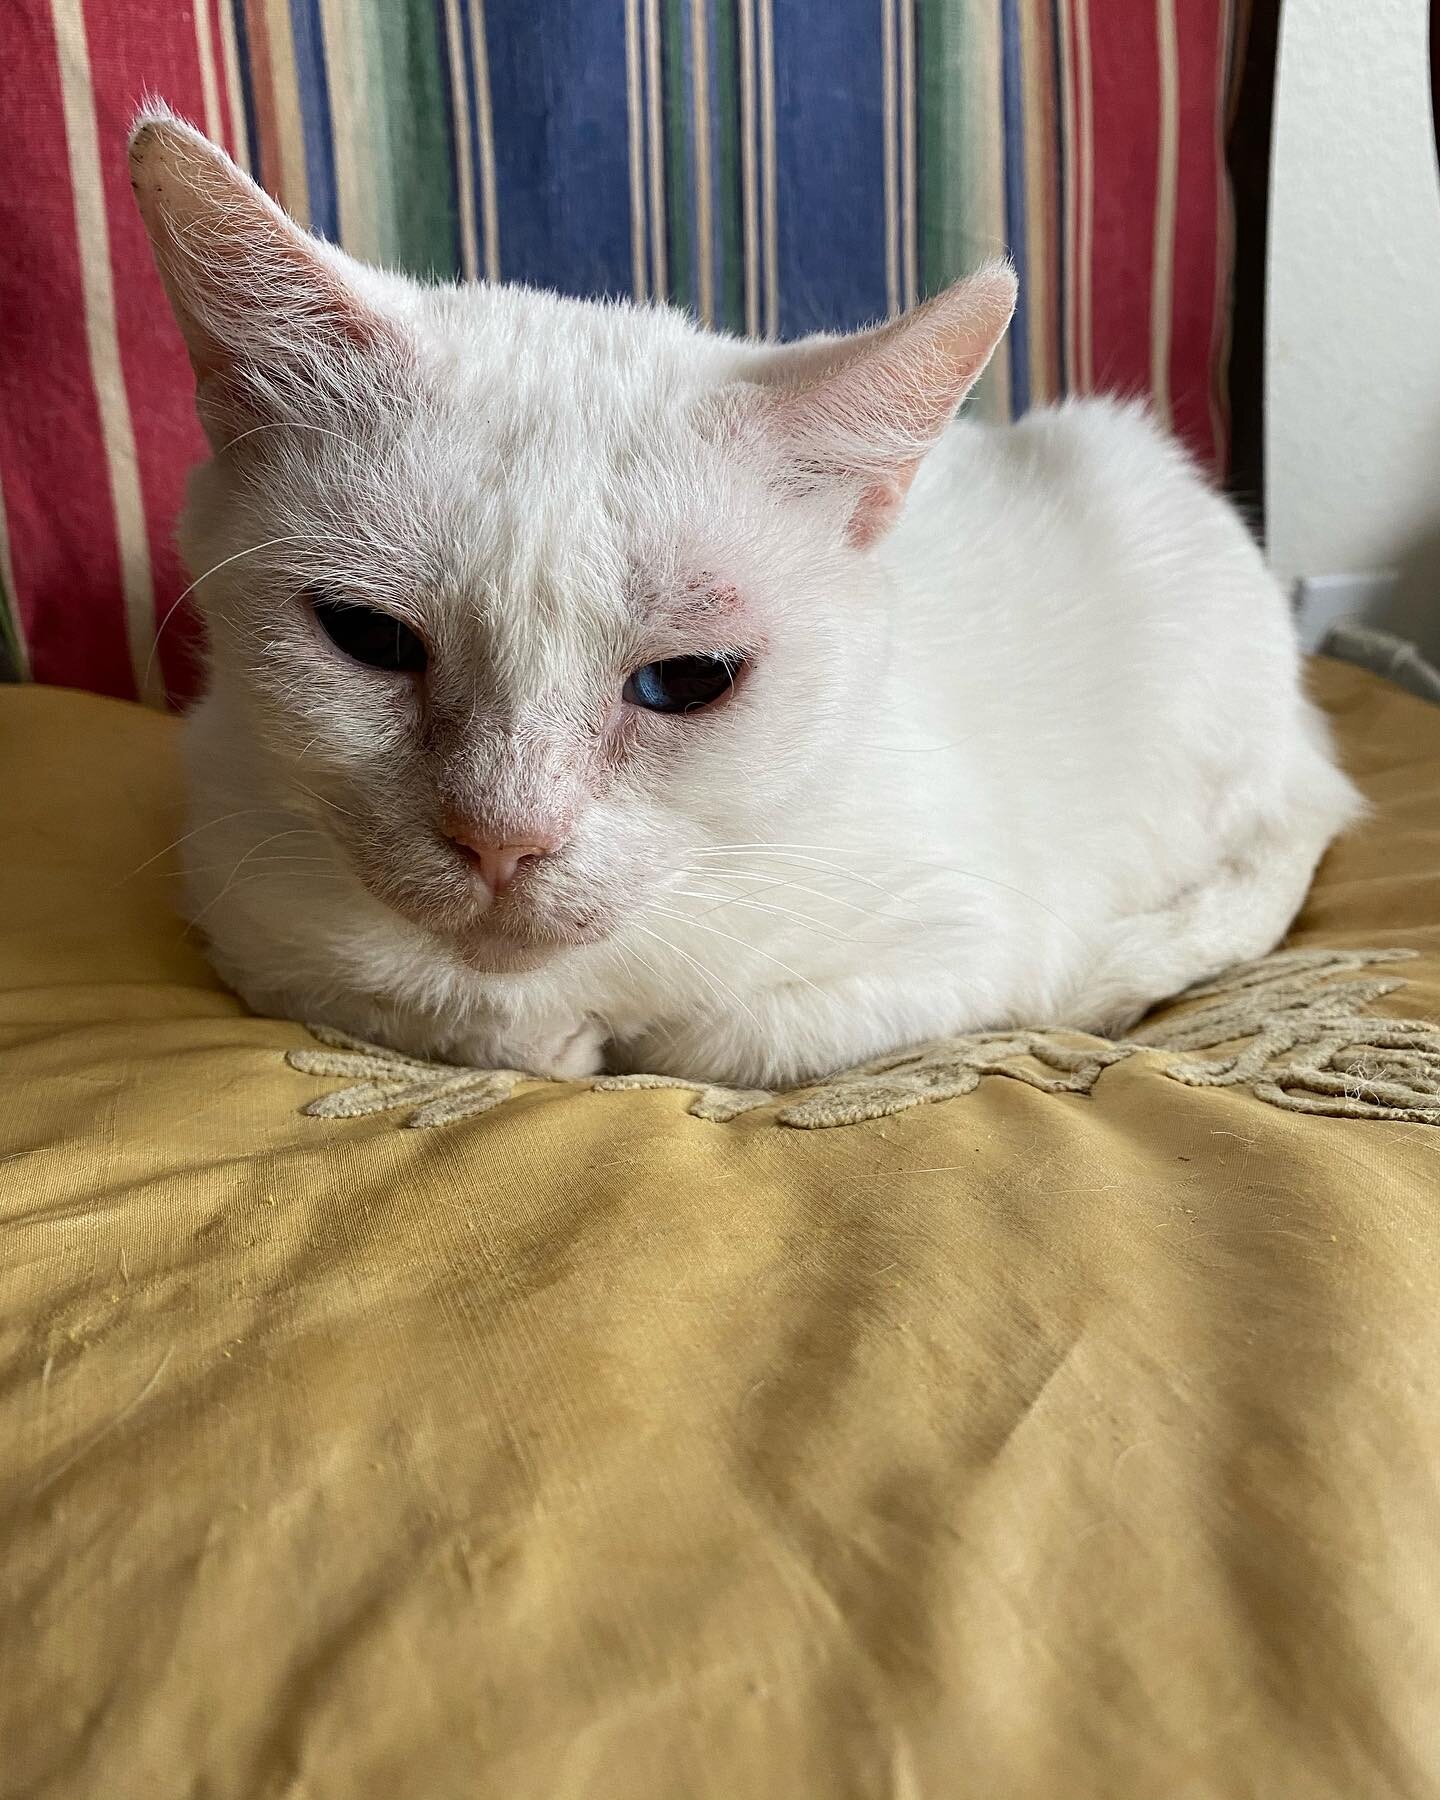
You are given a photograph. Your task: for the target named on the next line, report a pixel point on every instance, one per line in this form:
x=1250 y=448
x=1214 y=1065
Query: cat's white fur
x=1026 y=744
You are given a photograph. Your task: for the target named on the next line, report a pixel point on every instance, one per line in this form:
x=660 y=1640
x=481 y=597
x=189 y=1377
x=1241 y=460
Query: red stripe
x=1201 y=230
x=228 y=134
x=151 y=49
x=265 y=151
x=1043 y=76
x=1075 y=144
x=52 y=457
x=1124 y=60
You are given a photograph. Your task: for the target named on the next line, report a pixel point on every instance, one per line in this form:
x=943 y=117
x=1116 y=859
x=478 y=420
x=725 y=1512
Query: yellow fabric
x=1024 y=1446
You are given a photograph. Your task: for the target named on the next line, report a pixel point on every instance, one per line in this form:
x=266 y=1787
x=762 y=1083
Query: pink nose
x=497 y=865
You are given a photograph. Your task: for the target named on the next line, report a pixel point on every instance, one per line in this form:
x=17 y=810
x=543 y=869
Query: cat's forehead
x=544 y=492
x=559 y=454
x=615 y=364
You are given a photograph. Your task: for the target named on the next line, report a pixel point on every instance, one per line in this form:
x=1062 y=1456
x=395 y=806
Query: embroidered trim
x=1291 y=1027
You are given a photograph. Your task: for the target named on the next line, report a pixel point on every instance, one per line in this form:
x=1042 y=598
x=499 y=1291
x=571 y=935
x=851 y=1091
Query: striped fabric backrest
x=776 y=166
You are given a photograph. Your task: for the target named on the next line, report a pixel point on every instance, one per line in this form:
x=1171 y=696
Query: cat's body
x=1028 y=748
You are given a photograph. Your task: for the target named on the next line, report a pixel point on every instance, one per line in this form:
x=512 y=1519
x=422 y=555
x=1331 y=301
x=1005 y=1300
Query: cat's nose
x=497 y=865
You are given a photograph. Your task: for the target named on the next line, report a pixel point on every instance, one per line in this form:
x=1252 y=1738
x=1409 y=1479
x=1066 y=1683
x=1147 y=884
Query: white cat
x=587 y=685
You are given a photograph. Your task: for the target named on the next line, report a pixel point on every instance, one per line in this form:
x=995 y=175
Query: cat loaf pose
x=589 y=689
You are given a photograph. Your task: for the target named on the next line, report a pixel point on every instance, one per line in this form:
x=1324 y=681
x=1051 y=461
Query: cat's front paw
x=560 y=1056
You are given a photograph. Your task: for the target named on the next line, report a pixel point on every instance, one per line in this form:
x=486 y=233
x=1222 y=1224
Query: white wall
x=1353 y=321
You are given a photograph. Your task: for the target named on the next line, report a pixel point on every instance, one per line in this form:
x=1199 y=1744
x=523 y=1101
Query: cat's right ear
x=270 y=320
x=858 y=414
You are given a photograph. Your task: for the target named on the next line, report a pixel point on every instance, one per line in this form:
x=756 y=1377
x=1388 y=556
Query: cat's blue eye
x=683 y=684
x=376 y=639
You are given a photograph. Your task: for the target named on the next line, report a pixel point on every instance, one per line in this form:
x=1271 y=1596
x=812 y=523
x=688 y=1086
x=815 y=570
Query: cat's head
x=524 y=598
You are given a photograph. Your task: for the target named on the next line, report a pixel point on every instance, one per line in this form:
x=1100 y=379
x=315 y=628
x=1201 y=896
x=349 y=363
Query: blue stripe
x=314 y=85
x=725 y=127
x=557 y=82
x=472 y=88
x=830 y=151
x=247 y=91
x=1015 y=203
x=688 y=210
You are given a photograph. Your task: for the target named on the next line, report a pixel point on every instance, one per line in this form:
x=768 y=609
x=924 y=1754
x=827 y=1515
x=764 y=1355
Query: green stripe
x=725 y=112
x=940 y=99
x=410 y=103
x=956 y=231
x=679 y=177
x=376 y=172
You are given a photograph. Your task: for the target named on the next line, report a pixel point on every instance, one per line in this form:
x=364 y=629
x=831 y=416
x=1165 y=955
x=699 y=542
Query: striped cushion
x=774 y=165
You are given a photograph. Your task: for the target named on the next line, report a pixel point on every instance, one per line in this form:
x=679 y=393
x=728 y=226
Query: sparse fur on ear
x=864 y=410
x=266 y=311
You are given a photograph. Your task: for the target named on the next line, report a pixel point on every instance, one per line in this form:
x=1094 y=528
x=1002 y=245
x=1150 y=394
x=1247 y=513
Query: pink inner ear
x=869 y=417
x=246 y=283
x=876 y=509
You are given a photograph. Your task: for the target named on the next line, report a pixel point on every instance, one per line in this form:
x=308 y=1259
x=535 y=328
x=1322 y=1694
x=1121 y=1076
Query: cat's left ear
x=272 y=317
x=862 y=411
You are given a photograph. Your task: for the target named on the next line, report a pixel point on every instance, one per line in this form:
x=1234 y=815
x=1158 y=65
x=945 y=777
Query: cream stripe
x=9 y=591
x=986 y=154
x=659 y=273
x=1064 y=51
x=908 y=225
x=460 y=112
x=230 y=59
x=1162 y=261
x=1084 y=275
x=209 y=87
x=1223 y=326
x=889 y=158
x=749 y=191
x=92 y=235
x=769 y=172
x=635 y=110
x=294 y=184
x=485 y=131
x=1035 y=177
x=355 y=133
x=704 y=204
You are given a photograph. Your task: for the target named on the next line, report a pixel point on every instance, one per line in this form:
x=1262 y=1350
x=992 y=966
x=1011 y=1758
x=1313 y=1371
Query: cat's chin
x=492 y=955
x=495 y=952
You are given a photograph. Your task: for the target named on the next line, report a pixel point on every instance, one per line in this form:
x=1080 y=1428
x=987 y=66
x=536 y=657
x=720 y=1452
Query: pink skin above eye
x=705 y=617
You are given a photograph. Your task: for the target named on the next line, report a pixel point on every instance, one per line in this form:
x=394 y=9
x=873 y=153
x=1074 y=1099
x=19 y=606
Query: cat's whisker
x=314 y=879
x=780 y=882
x=255 y=849
x=782 y=853
x=630 y=956
x=737 y=871
x=185 y=837
x=293 y=537
x=804 y=920
x=334 y=805
x=912 y=749
x=264 y=862
x=725 y=992
x=940 y=868
x=730 y=938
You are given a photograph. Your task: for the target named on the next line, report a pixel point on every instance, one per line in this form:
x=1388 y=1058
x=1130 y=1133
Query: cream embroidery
x=1293 y=1028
